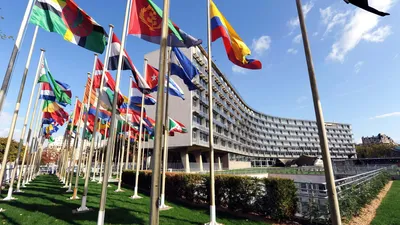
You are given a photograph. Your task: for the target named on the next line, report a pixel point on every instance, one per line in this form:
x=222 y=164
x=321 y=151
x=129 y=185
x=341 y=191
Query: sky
x=356 y=57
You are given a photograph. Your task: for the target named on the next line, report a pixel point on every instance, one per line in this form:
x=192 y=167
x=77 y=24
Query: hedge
x=274 y=198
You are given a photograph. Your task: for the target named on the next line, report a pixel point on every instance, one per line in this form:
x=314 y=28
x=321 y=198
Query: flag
x=93 y=97
x=53 y=110
x=67 y=19
x=146 y=23
x=136 y=97
x=47 y=121
x=108 y=81
x=182 y=67
x=152 y=79
x=363 y=4
x=65 y=88
x=103 y=114
x=127 y=63
x=236 y=49
x=175 y=126
x=51 y=139
x=53 y=88
x=78 y=109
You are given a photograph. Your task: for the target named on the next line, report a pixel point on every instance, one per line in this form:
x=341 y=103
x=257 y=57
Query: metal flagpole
x=14 y=54
x=69 y=162
x=27 y=116
x=330 y=180
x=156 y=158
x=166 y=133
x=101 y=215
x=91 y=76
x=143 y=152
x=21 y=141
x=129 y=120
x=72 y=163
x=213 y=216
x=102 y=156
x=113 y=153
x=124 y=137
x=119 y=144
x=36 y=143
x=96 y=159
x=23 y=175
x=33 y=142
x=16 y=110
x=135 y=190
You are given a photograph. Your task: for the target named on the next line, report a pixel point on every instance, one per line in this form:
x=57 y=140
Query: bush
x=274 y=198
x=352 y=200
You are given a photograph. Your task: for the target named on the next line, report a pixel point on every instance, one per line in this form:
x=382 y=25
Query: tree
x=4 y=36
x=49 y=155
x=12 y=155
x=375 y=151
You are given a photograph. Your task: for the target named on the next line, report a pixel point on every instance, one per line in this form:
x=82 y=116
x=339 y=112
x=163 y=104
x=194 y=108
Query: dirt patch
x=368 y=212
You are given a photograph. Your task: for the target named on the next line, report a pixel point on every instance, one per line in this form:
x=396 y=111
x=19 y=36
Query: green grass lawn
x=45 y=202
x=388 y=212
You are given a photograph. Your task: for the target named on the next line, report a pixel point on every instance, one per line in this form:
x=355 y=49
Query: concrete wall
x=239 y=165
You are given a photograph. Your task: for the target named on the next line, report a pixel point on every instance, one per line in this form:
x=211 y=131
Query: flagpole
x=70 y=161
x=128 y=120
x=83 y=207
x=89 y=75
x=21 y=141
x=13 y=57
x=102 y=156
x=155 y=178
x=96 y=159
x=27 y=116
x=119 y=151
x=213 y=217
x=330 y=180
x=102 y=208
x=27 y=147
x=135 y=191
x=16 y=110
x=166 y=134
x=34 y=140
x=36 y=137
x=74 y=152
x=124 y=136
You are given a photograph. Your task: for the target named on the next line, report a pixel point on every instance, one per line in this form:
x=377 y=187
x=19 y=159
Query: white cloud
x=5 y=124
x=360 y=24
x=332 y=18
x=379 y=35
x=294 y=22
x=297 y=39
x=261 y=44
x=237 y=69
x=292 y=51
x=358 y=66
x=315 y=34
x=395 y=56
x=386 y=115
x=5 y=131
x=301 y=99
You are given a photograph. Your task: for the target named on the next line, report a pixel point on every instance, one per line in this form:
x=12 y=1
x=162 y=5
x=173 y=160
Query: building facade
x=378 y=139
x=243 y=137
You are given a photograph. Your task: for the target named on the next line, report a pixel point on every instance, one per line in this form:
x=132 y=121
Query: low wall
x=233 y=165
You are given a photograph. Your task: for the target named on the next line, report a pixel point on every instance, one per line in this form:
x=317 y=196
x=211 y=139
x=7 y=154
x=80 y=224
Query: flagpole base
x=2 y=210
x=213 y=216
x=81 y=210
x=69 y=190
x=19 y=191
x=164 y=207
x=23 y=185
x=100 y=217
x=135 y=197
x=8 y=198
x=119 y=190
x=73 y=198
x=65 y=186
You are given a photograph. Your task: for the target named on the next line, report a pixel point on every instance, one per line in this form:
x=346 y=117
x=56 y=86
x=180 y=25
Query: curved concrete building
x=243 y=137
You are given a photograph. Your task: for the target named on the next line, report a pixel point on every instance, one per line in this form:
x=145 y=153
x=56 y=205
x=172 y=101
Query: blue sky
x=356 y=57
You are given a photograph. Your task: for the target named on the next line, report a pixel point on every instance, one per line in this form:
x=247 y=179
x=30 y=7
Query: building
x=243 y=137
x=378 y=139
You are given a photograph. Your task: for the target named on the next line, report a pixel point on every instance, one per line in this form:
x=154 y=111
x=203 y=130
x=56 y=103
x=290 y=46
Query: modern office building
x=243 y=137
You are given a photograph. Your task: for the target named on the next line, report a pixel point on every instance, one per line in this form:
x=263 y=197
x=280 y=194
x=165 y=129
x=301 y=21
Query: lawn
x=45 y=202
x=388 y=211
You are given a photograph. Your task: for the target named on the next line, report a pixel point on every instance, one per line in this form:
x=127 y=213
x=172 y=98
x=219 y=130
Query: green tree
x=375 y=150
x=12 y=155
x=4 y=36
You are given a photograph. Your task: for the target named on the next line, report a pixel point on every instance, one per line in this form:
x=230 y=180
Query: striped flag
x=67 y=19
x=136 y=97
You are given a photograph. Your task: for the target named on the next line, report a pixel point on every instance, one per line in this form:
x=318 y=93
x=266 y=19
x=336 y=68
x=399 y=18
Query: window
x=194 y=133
x=196 y=119
x=195 y=102
x=219 y=129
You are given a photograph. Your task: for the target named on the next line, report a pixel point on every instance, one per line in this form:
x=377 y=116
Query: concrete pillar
x=199 y=160
x=185 y=161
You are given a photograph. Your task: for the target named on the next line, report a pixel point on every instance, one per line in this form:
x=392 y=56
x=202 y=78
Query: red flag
x=151 y=76
x=77 y=113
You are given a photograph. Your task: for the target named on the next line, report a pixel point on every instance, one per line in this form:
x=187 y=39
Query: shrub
x=274 y=198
